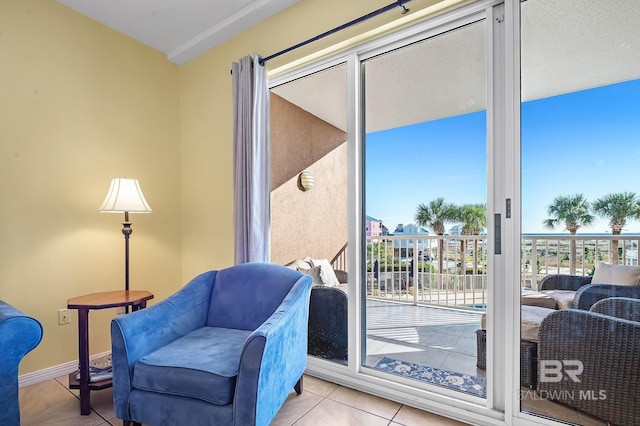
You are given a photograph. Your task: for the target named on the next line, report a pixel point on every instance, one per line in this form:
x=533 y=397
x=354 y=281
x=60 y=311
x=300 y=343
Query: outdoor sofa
x=328 y=307
x=574 y=291
x=568 y=291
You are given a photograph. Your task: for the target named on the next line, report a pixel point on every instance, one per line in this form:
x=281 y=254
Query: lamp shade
x=125 y=195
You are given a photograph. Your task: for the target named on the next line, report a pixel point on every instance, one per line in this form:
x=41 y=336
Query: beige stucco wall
x=81 y=104
x=306 y=223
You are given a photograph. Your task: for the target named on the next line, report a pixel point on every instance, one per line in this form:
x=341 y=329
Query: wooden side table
x=137 y=299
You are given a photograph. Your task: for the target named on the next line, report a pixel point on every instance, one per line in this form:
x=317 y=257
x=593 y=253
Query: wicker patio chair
x=606 y=340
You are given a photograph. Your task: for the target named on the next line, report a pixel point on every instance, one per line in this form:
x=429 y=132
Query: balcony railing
x=451 y=270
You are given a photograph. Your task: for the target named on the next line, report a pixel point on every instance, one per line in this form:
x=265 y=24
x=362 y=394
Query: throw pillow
x=314 y=273
x=607 y=273
x=327 y=274
x=299 y=264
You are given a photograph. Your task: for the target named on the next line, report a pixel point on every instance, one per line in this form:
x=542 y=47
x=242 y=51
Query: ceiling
x=182 y=29
x=588 y=42
x=567 y=45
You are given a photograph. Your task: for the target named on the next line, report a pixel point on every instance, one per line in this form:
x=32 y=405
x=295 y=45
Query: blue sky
x=585 y=142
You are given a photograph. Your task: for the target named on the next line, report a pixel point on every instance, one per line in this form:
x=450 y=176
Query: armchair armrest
x=589 y=294
x=139 y=333
x=281 y=339
x=607 y=347
x=563 y=282
x=19 y=334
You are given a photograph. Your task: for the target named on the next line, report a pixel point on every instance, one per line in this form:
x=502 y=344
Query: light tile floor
x=321 y=403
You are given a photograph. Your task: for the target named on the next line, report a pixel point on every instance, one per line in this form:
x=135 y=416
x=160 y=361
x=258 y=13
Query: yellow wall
x=79 y=105
x=206 y=115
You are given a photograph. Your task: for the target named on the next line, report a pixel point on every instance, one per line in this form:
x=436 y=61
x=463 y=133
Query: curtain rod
x=398 y=3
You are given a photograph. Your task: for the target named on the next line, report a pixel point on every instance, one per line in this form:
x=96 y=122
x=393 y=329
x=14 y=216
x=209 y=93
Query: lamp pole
x=126 y=231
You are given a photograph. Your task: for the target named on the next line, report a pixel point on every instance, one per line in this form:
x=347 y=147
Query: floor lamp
x=125 y=196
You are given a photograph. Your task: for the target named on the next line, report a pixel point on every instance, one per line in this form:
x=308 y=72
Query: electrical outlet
x=121 y=310
x=63 y=316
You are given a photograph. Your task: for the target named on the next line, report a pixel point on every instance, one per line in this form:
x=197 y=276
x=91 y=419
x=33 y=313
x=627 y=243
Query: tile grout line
x=78 y=398
x=315 y=405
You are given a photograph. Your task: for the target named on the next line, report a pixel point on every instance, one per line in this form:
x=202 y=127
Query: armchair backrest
x=245 y=295
x=620 y=307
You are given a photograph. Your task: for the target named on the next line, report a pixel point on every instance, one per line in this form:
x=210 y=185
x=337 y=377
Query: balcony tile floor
x=444 y=338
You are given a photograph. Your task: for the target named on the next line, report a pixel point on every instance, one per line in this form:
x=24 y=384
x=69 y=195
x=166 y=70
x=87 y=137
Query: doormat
x=460 y=382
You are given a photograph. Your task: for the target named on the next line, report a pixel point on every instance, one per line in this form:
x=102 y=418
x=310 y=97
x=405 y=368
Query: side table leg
x=83 y=360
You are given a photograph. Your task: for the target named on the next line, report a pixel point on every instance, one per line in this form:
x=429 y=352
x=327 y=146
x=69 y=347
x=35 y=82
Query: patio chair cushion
x=607 y=273
x=530 y=319
x=320 y=271
x=298 y=264
x=202 y=364
x=563 y=298
x=314 y=273
x=327 y=274
x=535 y=298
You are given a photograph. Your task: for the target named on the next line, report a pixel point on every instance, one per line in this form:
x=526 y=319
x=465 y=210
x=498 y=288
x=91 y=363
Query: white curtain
x=251 y=160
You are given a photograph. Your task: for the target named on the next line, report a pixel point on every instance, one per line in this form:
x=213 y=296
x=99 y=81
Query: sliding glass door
x=580 y=221
x=475 y=208
x=425 y=201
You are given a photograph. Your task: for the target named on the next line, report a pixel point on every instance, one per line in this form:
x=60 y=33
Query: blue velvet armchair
x=19 y=334
x=226 y=349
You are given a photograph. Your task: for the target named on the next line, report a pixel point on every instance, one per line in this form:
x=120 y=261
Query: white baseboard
x=52 y=372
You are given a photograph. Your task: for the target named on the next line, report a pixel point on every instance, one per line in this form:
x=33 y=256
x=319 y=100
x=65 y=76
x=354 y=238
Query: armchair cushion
x=203 y=364
x=607 y=273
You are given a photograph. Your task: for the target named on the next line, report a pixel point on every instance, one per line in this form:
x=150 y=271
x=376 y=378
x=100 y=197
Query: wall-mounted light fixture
x=305 y=181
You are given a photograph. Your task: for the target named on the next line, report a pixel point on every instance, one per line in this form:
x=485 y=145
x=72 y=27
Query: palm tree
x=618 y=208
x=573 y=212
x=474 y=220
x=434 y=215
